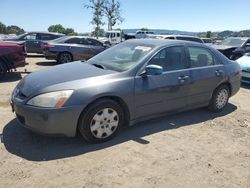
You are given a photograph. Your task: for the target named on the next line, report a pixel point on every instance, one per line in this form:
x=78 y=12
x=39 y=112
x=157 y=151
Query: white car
x=145 y=34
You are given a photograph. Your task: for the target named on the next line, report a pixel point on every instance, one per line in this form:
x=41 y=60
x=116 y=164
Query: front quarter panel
x=88 y=90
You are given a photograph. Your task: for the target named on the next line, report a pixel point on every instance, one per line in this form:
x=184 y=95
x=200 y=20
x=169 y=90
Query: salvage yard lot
x=190 y=149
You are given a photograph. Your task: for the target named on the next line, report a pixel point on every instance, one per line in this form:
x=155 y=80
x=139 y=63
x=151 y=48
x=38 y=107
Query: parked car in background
x=244 y=62
x=71 y=48
x=234 y=47
x=130 y=82
x=111 y=38
x=207 y=41
x=128 y=36
x=183 y=37
x=144 y=34
x=34 y=40
x=12 y=55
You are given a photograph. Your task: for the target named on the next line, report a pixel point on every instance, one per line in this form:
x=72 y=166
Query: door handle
x=219 y=72
x=182 y=79
x=36 y=42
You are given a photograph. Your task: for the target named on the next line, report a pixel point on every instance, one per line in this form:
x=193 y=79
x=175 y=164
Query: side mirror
x=152 y=70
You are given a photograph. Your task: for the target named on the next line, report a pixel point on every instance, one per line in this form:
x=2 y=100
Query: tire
x=101 y=121
x=3 y=71
x=65 y=57
x=219 y=99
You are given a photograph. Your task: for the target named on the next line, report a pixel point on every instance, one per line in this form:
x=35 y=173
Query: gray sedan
x=130 y=82
x=67 y=49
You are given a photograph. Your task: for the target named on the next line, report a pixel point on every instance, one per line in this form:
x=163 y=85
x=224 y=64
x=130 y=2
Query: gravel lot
x=190 y=149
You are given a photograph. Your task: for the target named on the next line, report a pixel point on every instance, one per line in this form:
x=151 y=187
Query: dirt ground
x=190 y=149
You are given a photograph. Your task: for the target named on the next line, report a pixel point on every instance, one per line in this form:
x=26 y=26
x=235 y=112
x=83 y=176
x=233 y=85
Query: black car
x=234 y=47
x=34 y=40
x=71 y=48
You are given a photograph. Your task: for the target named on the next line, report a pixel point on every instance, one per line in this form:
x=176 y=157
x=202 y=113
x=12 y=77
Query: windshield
x=121 y=57
x=107 y=35
x=233 y=42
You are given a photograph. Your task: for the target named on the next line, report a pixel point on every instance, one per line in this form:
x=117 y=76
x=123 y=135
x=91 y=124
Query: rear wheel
x=65 y=57
x=219 y=99
x=3 y=71
x=101 y=121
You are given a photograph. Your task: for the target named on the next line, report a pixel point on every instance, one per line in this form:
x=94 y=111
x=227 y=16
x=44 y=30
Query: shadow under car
x=23 y=143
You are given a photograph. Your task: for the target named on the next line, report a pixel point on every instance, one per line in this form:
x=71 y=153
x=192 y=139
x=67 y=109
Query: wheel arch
x=58 y=56
x=117 y=99
x=228 y=84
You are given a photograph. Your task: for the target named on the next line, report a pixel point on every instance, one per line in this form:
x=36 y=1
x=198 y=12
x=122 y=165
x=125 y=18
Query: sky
x=187 y=15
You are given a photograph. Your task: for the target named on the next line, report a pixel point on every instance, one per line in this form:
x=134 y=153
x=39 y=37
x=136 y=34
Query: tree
x=13 y=29
x=70 y=31
x=97 y=8
x=3 y=29
x=208 y=35
x=144 y=29
x=112 y=10
x=58 y=28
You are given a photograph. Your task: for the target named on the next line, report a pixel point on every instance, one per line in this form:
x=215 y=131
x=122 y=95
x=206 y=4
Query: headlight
x=51 y=100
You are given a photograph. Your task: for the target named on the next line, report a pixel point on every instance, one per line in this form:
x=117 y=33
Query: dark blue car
x=34 y=40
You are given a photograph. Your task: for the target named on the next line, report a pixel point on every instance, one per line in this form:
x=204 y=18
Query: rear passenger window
x=171 y=58
x=200 y=57
x=46 y=37
x=73 y=41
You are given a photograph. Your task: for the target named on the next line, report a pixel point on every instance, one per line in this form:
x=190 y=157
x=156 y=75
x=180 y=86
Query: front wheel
x=101 y=121
x=219 y=99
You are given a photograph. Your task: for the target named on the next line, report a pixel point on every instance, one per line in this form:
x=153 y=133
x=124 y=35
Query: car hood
x=222 y=47
x=244 y=62
x=37 y=81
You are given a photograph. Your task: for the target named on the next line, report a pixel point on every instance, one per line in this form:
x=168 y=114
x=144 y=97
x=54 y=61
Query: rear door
x=206 y=74
x=166 y=92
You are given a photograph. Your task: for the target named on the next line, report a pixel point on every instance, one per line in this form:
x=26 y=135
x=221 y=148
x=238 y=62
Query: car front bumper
x=61 y=121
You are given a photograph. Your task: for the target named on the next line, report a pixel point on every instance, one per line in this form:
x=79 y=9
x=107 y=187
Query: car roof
x=45 y=32
x=162 y=42
x=188 y=36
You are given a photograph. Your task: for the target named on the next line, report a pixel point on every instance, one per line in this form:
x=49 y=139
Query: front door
x=166 y=92
x=33 y=44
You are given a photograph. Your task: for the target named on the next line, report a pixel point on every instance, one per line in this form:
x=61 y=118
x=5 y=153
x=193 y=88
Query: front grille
x=20 y=118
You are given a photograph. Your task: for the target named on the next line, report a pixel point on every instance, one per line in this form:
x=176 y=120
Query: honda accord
x=130 y=82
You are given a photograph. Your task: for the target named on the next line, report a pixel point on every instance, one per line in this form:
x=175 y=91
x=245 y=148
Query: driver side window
x=170 y=59
x=30 y=37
